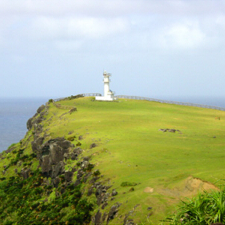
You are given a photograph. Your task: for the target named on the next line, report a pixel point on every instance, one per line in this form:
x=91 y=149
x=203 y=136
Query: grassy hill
x=123 y=138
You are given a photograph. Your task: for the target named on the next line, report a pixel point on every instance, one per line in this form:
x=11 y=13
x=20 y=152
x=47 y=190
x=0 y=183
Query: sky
x=153 y=48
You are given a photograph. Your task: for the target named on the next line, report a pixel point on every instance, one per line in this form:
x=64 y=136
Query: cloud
x=77 y=27
x=182 y=35
x=135 y=25
x=110 y=7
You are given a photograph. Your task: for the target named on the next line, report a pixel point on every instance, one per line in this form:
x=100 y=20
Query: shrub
x=71 y=138
x=96 y=173
x=126 y=184
x=205 y=208
x=14 y=151
x=12 y=145
x=90 y=167
x=131 y=189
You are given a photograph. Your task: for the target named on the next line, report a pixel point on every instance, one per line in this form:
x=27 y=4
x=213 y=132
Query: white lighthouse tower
x=108 y=94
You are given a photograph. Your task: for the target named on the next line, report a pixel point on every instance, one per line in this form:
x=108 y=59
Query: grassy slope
x=131 y=147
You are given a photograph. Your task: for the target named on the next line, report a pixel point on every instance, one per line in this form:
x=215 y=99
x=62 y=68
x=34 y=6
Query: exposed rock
x=40 y=108
x=77 y=182
x=93 y=145
x=128 y=222
x=170 y=130
x=104 y=217
x=80 y=137
x=90 y=191
x=36 y=144
x=73 y=156
x=51 y=155
x=68 y=176
x=56 y=182
x=73 y=110
x=80 y=173
x=92 y=181
x=97 y=218
x=10 y=149
x=84 y=164
x=114 y=192
x=65 y=156
x=87 y=158
x=29 y=124
x=75 y=153
x=85 y=178
x=56 y=153
x=104 y=205
x=36 y=119
x=58 y=169
x=45 y=164
x=114 y=209
x=25 y=173
x=163 y=130
x=74 y=169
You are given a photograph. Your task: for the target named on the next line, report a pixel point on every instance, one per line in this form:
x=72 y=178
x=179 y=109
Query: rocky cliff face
x=62 y=170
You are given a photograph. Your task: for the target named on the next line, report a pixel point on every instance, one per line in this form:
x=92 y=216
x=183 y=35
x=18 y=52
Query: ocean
x=14 y=114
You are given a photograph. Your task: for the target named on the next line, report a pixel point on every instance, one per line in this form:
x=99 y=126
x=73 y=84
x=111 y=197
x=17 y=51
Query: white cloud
x=135 y=24
x=70 y=28
x=182 y=35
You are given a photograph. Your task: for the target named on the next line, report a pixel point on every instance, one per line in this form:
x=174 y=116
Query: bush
x=12 y=145
x=90 y=167
x=96 y=173
x=126 y=184
x=71 y=138
x=205 y=208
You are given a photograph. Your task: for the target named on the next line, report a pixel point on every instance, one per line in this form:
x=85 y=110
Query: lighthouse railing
x=169 y=102
x=78 y=96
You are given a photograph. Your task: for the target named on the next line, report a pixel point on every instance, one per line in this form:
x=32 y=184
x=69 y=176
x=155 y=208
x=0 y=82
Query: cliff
x=122 y=162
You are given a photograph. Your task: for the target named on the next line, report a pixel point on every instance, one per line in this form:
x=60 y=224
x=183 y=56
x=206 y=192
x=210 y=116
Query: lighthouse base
x=105 y=98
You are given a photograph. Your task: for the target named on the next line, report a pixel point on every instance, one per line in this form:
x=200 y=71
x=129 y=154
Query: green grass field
x=130 y=148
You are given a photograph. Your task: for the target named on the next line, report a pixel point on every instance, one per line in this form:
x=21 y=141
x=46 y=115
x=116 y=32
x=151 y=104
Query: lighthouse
x=108 y=94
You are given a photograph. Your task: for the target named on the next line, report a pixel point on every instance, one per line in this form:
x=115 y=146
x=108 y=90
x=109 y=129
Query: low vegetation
x=144 y=157
x=23 y=200
x=206 y=208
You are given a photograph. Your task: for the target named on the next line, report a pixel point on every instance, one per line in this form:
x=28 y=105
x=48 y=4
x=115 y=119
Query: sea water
x=14 y=114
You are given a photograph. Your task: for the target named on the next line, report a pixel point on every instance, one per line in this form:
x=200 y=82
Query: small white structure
x=108 y=94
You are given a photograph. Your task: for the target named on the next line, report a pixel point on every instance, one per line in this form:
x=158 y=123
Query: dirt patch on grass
x=148 y=190
x=189 y=187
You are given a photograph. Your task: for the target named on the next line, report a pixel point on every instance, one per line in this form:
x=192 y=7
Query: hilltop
x=120 y=162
